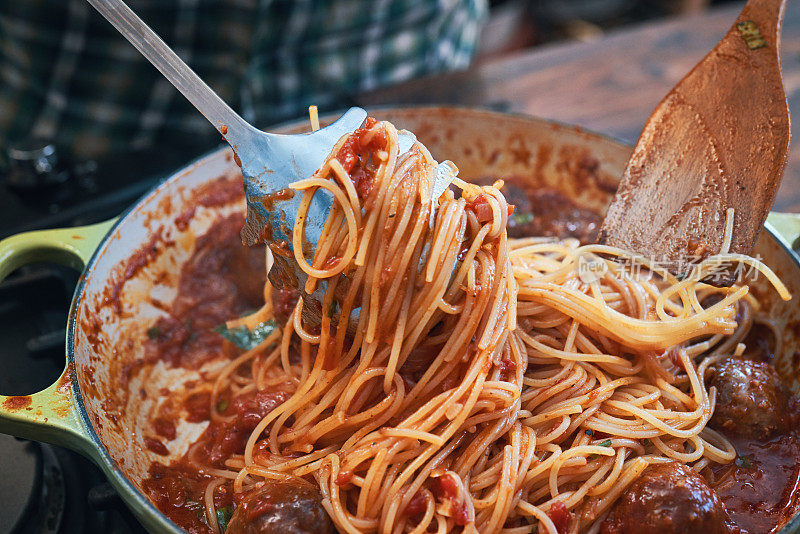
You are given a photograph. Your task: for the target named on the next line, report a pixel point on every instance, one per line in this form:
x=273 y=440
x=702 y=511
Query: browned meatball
x=281 y=506
x=751 y=399
x=546 y=212
x=668 y=498
x=283 y=303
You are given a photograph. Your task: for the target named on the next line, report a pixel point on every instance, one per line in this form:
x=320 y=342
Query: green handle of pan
x=787 y=227
x=49 y=415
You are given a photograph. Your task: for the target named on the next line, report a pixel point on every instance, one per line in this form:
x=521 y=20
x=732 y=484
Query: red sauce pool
x=760 y=488
x=546 y=212
x=220 y=281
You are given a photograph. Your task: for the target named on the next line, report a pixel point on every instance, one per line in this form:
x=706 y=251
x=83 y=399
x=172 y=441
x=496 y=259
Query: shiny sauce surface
x=760 y=487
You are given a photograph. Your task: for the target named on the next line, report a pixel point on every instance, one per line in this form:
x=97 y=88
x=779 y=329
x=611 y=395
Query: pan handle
x=787 y=227
x=49 y=415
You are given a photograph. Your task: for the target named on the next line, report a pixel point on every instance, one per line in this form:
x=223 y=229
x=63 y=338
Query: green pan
x=102 y=404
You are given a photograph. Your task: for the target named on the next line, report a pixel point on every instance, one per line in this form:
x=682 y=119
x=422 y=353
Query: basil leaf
x=192 y=505
x=223 y=517
x=154 y=332
x=222 y=405
x=606 y=443
x=333 y=309
x=521 y=218
x=244 y=338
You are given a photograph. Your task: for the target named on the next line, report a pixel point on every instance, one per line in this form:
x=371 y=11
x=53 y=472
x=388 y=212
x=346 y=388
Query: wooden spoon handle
x=718 y=140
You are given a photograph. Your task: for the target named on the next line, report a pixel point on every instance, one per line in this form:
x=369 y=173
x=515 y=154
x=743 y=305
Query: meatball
x=665 y=499
x=546 y=212
x=751 y=399
x=281 y=506
x=283 y=302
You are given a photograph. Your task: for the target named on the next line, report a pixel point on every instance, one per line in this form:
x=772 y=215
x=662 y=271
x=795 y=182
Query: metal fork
x=269 y=162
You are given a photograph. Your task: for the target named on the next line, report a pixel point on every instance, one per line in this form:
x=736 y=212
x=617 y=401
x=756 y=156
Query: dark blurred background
x=515 y=25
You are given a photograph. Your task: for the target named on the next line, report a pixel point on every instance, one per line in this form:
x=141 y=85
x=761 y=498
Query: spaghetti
x=459 y=379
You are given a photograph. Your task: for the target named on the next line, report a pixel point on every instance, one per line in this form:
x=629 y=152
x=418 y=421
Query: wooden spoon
x=718 y=140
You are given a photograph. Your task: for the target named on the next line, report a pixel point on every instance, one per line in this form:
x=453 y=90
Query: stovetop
x=84 y=192
x=44 y=488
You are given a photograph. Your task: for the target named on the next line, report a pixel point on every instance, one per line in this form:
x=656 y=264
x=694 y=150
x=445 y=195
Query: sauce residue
x=222 y=280
x=17 y=402
x=213 y=194
x=134 y=264
x=362 y=141
x=546 y=212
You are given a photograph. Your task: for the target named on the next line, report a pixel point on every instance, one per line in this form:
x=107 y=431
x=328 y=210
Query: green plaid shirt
x=67 y=75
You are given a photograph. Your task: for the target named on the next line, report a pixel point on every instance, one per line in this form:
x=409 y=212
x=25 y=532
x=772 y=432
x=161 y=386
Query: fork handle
x=171 y=66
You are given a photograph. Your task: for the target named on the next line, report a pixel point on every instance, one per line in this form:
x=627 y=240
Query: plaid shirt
x=67 y=75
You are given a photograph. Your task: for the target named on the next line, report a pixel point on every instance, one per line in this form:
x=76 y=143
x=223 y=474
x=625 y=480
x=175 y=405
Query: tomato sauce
x=350 y=156
x=760 y=342
x=560 y=516
x=178 y=488
x=417 y=505
x=542 y=212
x=444 y=488
x=760 y=488
x=221 y=280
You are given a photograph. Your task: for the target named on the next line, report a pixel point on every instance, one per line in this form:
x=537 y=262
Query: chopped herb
x=682 y=276
x=244 y=338
x=606 y=443
x=224 y=516
x=154 y=332
x=591 y=457
x=192 y=505
x=521 y=218
x=646 y=442
x=333 y=309
x=222 y=405
x=588 y=432
x=744 y=461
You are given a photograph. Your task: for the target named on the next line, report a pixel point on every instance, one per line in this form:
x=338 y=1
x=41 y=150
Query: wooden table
x=610 y=85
